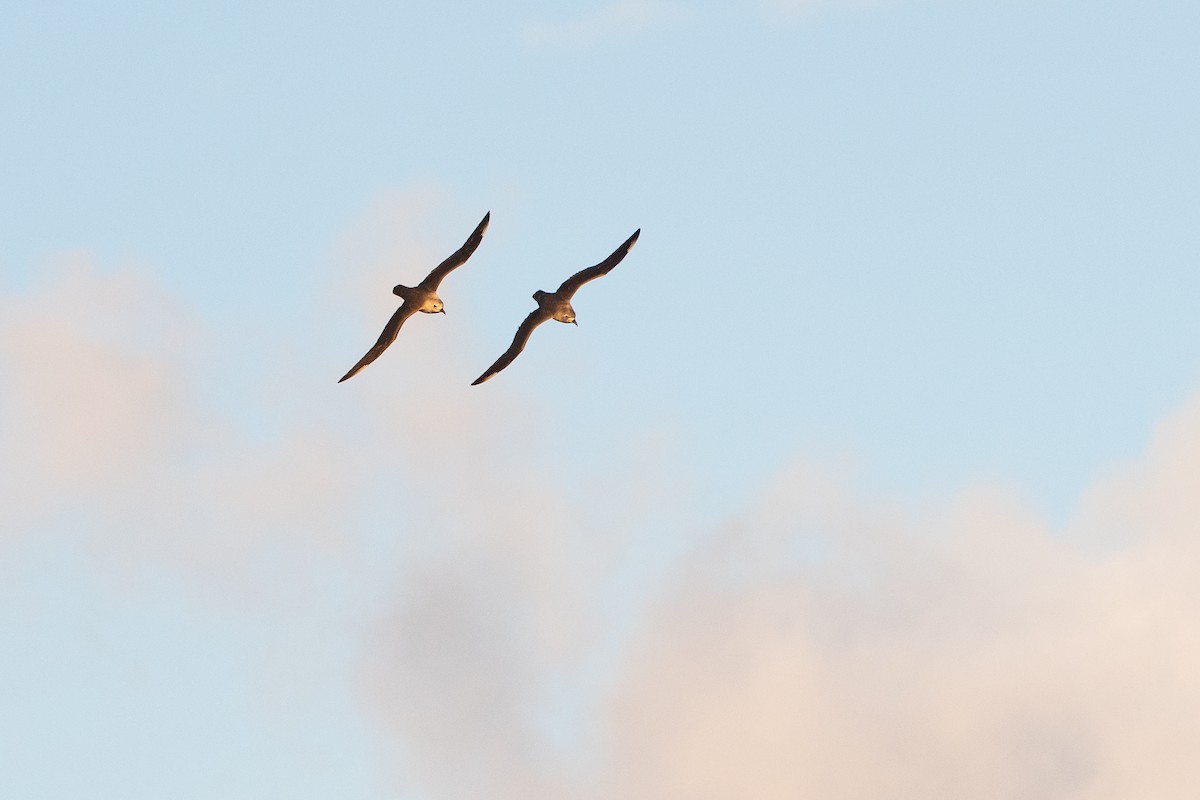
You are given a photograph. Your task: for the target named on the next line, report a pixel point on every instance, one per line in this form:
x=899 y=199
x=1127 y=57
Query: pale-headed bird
x=422 y=297
x=556 y=306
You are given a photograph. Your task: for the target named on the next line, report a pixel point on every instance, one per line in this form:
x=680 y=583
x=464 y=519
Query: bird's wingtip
x=480 y=379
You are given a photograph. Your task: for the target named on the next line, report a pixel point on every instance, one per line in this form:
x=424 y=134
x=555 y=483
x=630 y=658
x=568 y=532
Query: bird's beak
x=573 y=322
x=443 y=311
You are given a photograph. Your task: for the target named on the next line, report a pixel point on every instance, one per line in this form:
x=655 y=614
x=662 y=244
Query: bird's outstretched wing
x=535 y=318
x=572 y=284
x=388 y=336
x=458 y=257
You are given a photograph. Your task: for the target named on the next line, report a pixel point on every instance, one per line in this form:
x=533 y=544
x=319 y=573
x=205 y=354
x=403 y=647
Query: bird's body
x=423 y=297
x=556 y=306
x=424 y=300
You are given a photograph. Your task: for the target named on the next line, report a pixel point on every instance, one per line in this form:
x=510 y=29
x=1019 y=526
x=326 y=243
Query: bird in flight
x=556 y=306
x=422 y=297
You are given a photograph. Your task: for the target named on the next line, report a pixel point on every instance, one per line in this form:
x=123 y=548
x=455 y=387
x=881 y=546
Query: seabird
x=556 y=306
x=422 y=297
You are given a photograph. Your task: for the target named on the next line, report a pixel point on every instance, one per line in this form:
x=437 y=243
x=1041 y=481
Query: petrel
x=556 y=306
x=422 y=297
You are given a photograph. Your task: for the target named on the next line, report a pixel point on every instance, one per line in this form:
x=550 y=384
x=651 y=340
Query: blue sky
x=910 y=253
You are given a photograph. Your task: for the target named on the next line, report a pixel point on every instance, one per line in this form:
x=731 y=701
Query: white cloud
x=619 y=18
x=628 y=17
x=792 y=9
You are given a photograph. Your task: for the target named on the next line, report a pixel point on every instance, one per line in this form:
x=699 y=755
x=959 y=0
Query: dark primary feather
x=458 y=257
x=388 y=336
x=572 y=284
x=535 y=318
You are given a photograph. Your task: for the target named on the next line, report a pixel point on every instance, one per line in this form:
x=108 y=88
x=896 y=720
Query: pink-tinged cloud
x=822 y=644
x=131 y=422
x=109 y=435
x=970 y=654
x=560 y=629
x=93 y=398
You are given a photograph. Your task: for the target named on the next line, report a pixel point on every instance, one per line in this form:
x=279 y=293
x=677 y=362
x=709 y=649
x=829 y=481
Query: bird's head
x=429 y=302
x=565 y=313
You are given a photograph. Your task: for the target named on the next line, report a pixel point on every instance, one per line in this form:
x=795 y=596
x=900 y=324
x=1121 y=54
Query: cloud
x=109 y=438
x=793 y=9
x=973 y=653
x=224 y=449
x=620 y=18
x=119 y=430
x=820 y=644
x=93 y=398
x=623 y=18
x=567 y=628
